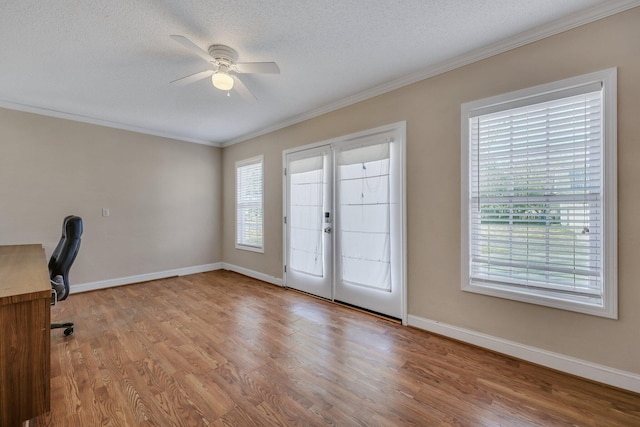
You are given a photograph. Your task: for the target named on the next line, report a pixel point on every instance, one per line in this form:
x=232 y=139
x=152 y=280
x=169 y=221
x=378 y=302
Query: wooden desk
x=25 y=340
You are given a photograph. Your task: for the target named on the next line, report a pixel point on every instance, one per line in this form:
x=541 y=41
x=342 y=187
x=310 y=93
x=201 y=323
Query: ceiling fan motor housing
x=223 y=54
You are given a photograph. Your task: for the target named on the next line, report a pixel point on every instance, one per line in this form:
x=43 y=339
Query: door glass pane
x=306 y=214
x=364 y=209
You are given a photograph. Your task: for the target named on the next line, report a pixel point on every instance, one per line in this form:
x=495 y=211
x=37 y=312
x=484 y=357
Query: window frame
x=555 y=90
x=238 y=165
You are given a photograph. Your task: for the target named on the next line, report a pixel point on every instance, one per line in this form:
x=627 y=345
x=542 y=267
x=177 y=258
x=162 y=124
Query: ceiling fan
x=224 y=67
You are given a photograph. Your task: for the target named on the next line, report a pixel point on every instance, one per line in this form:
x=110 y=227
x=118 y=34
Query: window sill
x=250 y=248
x=585 y=306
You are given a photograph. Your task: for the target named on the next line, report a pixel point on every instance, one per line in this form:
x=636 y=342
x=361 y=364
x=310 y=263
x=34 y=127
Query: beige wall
x=432 y=111
x=164 y=195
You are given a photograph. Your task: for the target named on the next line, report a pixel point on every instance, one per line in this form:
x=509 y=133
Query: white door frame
x=400 y=128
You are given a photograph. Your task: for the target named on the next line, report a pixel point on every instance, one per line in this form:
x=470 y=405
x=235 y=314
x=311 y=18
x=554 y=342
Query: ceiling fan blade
x=189 y=45
x=192 y=78
x=258 y=68
x=242 y=90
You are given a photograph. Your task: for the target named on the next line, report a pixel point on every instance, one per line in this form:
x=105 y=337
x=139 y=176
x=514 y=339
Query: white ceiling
x=110 y=61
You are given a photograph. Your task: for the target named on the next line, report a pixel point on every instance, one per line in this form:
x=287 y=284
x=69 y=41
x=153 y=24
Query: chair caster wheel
x=68 y=331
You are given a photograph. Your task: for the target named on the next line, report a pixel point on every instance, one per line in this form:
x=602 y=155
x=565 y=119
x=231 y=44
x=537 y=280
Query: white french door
x=368 y=224
x=308 y=244
x=344 y=204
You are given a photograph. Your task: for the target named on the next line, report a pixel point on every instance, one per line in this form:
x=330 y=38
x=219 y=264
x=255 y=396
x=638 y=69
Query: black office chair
x=61 y=260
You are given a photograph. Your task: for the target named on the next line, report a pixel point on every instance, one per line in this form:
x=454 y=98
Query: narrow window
x=539 y=195
x=249 y=204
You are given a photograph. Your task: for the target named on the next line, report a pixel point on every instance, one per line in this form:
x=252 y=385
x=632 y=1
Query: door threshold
x=371 y=312
x=350 y=306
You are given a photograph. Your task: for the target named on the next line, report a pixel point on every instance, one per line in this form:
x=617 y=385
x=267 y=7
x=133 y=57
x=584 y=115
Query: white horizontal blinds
x=249 y=210
x=536 y=196
x=305 y=216
x=364 y=208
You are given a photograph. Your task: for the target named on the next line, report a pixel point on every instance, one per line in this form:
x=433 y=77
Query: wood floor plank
x=222 y=349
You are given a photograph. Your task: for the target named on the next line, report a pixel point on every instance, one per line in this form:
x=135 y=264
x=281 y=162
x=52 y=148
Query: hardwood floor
x=222 y=349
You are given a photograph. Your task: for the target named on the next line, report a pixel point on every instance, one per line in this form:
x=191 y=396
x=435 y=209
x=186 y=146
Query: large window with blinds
x=539 y=195
x=249 y=204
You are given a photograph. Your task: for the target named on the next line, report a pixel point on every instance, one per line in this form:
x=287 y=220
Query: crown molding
x=587 y=16
x=555 y=27
x=11 y=105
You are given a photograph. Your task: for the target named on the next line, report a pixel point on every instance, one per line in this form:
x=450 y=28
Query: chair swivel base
x=68 y=327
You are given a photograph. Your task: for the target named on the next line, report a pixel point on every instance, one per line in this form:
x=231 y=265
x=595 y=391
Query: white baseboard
x=255 y=274
x=119 y=281
x=581 y=368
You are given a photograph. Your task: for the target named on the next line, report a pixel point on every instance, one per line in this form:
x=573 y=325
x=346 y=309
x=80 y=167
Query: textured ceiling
x=111 y=61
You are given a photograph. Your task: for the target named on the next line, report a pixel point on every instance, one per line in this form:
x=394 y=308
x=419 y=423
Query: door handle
x=327 y=230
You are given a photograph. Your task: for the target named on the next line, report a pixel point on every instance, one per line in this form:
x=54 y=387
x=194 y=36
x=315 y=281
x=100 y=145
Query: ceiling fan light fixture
x=222 y=80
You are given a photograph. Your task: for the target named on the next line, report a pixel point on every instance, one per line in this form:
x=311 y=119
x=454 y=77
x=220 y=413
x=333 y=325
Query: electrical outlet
x=105 y=212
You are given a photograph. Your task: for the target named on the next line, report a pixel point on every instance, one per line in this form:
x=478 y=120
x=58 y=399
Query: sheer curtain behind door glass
x=306 y=197
x=364 y=209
